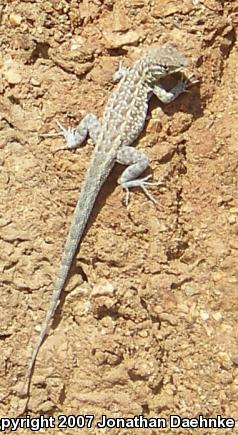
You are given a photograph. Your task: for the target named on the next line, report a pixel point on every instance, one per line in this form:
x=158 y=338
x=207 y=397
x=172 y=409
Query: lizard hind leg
x=137 y=162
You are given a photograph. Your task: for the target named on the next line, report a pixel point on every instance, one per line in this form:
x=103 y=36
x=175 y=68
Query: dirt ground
x=148 y=322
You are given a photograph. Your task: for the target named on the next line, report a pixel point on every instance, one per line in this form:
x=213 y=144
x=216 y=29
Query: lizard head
x=164 y=60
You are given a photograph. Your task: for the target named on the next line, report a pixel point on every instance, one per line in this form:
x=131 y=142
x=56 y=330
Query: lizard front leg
x=138 y=161
x=74 y=137
x=169 y=96
x=120 y=72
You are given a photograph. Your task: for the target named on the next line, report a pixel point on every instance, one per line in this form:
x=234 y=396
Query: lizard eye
x=165 y=68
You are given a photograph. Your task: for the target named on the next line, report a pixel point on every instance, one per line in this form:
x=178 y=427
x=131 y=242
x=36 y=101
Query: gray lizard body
x=123 y=120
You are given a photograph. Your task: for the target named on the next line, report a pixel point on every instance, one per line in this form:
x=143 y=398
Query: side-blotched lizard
x=123 y=120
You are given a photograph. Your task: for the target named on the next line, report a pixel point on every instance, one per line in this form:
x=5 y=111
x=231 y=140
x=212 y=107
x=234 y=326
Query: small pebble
x=204 y=315
x=15 y=19
x=12 y=76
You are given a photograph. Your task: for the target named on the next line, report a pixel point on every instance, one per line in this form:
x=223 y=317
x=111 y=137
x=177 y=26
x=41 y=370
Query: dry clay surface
x=148 y=322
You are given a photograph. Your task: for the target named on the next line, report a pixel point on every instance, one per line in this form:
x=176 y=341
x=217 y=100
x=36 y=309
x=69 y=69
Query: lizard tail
x=87 y=198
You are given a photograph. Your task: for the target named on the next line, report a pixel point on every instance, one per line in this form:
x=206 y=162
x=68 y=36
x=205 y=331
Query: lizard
x=122 y=121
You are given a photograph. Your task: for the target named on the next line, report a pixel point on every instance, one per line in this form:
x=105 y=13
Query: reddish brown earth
x=148 y=323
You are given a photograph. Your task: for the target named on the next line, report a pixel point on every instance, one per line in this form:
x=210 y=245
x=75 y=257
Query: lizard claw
x=143 y=184
x=70 y=135
x=190 y=81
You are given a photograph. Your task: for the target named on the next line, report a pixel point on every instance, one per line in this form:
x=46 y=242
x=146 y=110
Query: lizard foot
x=70 y=135
x=143 y=183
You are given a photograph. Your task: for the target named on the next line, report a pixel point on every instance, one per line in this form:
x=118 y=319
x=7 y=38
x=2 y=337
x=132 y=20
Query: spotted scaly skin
x=123 y=120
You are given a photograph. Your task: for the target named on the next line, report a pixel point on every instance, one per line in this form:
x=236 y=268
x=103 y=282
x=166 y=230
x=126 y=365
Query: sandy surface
x=148 y=322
